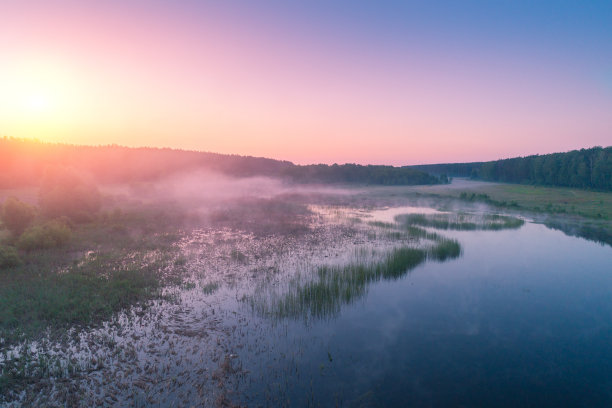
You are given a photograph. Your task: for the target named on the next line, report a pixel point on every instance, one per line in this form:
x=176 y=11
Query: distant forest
x=24 y=162
x=585 y=168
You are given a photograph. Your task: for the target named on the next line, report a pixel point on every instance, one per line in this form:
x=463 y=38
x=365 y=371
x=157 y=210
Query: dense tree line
x=25 y=162
x=354 y=173
x=451 y=169
x=585 y=168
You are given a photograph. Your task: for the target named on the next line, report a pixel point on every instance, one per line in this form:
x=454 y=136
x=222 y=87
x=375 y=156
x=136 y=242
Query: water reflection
x=522 y=318
x=322 y=295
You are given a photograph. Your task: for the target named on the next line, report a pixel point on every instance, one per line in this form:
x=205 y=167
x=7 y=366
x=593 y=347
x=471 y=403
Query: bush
x=9 y=257
x=17 y=215
x=64 y=193
x=52 y=234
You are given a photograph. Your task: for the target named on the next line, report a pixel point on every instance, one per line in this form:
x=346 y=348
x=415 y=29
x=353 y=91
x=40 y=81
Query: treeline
x=354 y=173
x=585 y=168
x=24 y=162
x=451 y=169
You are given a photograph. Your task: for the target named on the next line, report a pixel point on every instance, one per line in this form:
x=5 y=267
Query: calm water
x=523 y=318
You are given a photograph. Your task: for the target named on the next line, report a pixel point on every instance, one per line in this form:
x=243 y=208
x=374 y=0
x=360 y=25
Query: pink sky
x=224 y=80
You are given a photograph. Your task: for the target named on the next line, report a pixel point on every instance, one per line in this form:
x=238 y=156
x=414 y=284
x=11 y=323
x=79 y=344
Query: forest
x=584 y=168
x=24 y=162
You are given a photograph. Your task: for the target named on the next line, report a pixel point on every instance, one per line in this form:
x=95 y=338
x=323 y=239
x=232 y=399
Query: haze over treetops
x=391 y=82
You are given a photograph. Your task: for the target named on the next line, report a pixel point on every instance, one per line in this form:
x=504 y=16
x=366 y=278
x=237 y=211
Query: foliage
x=17 y=215
x=23 y=163
x=460 y=221
x=9 y=257
x=444 y=250
x=584 y=168
x=41 y=297
x=64 y=193
x=451 y=169
x=57 y=287
x=52 y=234
x=338 y=285
x=355 y=173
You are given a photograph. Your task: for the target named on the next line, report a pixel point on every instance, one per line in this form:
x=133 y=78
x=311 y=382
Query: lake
x=522 y=318
x=364 y=306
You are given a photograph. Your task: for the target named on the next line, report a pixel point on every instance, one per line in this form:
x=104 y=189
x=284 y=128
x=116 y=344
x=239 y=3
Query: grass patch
x=33 y=298
x=338 y=285
x=444 y=250
x=335 y=286
x=101 y=270
x=552 y=200
x=9 y=257
x=460 y=221
x=381 y=224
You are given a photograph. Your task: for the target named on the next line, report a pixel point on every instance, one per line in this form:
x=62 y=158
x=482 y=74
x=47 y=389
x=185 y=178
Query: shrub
x=17 y=215
x=9 y=257
x=52 y=234
x=64 y=193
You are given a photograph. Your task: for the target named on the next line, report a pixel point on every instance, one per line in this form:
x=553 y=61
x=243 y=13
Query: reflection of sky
x=388 y=214
x=521 y=314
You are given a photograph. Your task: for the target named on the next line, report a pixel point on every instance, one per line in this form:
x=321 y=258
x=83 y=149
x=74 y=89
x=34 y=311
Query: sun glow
x=37 y=102
x=41 y=98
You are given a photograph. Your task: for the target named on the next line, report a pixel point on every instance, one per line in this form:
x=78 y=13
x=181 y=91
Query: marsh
x=326 y=297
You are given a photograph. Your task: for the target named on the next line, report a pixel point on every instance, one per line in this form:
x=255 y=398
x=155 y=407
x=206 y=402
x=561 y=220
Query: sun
x=37 y=102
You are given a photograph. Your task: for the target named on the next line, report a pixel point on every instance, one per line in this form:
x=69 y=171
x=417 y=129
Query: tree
x=64 y=193
x=17 y=215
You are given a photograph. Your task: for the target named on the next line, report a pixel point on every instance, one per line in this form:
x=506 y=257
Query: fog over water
x=301 y=295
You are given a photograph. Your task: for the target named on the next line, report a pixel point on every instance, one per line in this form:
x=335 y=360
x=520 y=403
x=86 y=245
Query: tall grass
x=61 y=286
x=335 y=286
x=444 y=250
x=460 y=221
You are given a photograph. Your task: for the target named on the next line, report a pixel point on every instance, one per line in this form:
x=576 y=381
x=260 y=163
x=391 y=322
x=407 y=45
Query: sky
x=378 y=82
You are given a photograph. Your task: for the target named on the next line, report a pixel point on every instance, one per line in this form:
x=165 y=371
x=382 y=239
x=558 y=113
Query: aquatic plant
x=460 y=221
x=334 y=286
x=381 y=224
x=444 y=250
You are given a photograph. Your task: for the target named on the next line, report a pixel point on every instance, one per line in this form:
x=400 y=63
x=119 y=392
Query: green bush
x=64 y=193
x=52 y=234
x=9 y=257
x=17 y=215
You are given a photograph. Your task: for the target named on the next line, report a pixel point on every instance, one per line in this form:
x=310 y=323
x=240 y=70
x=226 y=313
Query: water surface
x=523 y=318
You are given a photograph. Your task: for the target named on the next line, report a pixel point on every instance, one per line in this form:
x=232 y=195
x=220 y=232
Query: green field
x=589 y=204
